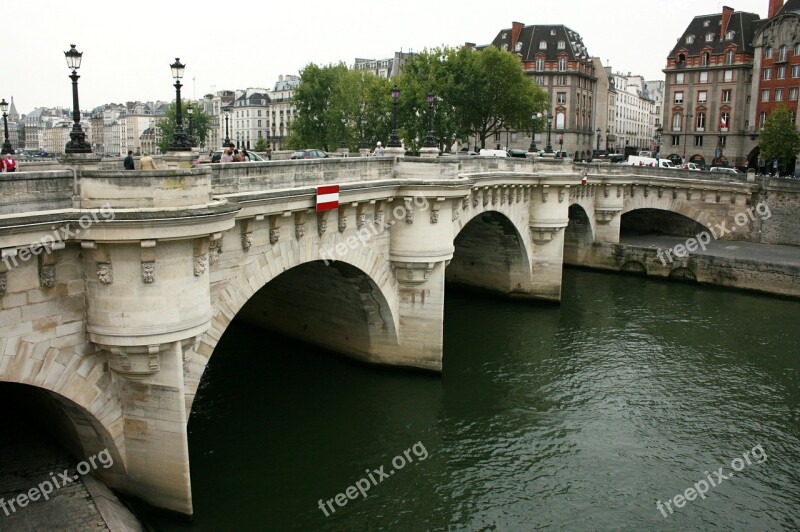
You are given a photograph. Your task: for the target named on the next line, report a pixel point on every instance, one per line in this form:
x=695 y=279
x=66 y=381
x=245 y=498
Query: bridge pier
x=548 y=218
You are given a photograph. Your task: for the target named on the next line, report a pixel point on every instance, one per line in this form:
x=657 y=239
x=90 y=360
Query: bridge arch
x=491 y=253
x=685 y=220
x=579 y=234
x=358 y=286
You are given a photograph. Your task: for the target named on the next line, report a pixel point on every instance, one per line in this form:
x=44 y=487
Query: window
x=729 y=57
x=497 y=137
x=724 y=119
x=765 y=95
x=561 y=45
x=680 y=78
x=561 y=97
x=562 y=63
x=679 y=97
x=782 y=53
x=701 y=121
x=722 y=141
x=796 y=49
x=689 y=39
x=676 y=140
x=793 y=93
x=542 y=45
x=706 y=23
x=796 y=71
x=767 y=74
x=768 y=52
x=540 y=80
x=761 y=119
x=781 y=73
x=540 y=64
x=778 y=95
x=676 y=122
x=729 y=35
x=562 y=80
x=709 y=37
x=704 y=77
x=552 y=32
x=560 y=117
x=518 y=47
x=726 y=96
x=504 y=47
x=702 y=96
x=704 y=59
x=698 y=140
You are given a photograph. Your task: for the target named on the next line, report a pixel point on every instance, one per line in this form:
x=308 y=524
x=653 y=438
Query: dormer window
x=553 y=33
x=504 y=47
x=503 y=36
x=689 y=39
x=542 y=45
x=518 y=47
x=561 y=45
x=729 y=35
x=709 y=37
x=706 y=23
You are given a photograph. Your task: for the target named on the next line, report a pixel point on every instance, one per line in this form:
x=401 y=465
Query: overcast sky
x=128 y=46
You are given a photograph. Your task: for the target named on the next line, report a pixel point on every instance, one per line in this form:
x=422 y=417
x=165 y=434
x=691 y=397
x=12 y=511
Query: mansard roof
x=252 y=99
x=790 y=7
x=742 y=24
x=530 y=38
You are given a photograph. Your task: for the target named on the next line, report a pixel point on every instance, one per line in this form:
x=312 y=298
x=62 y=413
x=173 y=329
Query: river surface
x=578 y=416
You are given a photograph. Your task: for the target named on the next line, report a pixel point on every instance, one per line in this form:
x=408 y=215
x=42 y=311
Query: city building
x=385 y=68
x=707 y=108
x=634 y=121
x=250 y=117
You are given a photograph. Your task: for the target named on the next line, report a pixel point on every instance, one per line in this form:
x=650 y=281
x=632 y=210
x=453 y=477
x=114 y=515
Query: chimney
x=726 y=18
x=774 y=7
x=516 y=29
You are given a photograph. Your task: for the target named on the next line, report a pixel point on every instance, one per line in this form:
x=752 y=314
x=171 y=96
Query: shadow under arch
x=490 y=254
x=74 y=427
x=578 y=235
x=650 y=221
x=338 y=306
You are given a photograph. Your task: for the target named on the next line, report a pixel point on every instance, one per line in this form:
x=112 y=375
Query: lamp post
x=659 y=131
x=429 y=141
x=6 y=144
x=549 y=147
x=190 y=134
x=599 y=138
x=685 y=133
x=343 y=141
x=179 y=140
x=227 y=136
x=394 y=140
x=534 y=120
x=608 y=133
x=77 y=138
x=362 y=121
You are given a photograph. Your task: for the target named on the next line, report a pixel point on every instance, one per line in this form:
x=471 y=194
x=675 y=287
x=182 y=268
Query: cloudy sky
x=128 y=46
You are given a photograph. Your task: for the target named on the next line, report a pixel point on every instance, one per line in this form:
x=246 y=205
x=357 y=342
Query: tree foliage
x=198 y=131
x=335 y=104
x=475 y=93
x=779 y=138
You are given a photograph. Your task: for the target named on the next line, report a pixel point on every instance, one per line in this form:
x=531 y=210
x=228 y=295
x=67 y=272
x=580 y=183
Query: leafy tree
x=201 y=123
x=335 y=104
x=779 y=138
x=261 y=144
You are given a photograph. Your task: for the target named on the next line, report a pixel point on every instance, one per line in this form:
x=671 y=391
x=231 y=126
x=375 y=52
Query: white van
x=635 y=160
x=493 y=153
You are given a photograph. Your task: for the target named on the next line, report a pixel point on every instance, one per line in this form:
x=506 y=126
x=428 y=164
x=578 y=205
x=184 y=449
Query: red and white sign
x=327 y=197
x=723 y=122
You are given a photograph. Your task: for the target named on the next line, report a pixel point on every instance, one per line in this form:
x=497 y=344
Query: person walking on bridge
x=128 y=162
x=147 y=163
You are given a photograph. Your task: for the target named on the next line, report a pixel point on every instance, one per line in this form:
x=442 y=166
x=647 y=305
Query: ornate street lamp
x=659 y=131
x=535 y=120
x=77 y=138
x=599 y=138
x=179 y=140
x=394 y=140
x=608 y=132
x=227 y=136
x=549 y=147
x=362 y=121
x=343 y=141
x=6 y=144
x=430 y=142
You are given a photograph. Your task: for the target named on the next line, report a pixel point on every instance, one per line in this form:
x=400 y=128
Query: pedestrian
x=128 y=162
x=237 y=156
x=378 y=150
x=147 y=162
x=245 y=155
x=9 y=164
x=227 y=156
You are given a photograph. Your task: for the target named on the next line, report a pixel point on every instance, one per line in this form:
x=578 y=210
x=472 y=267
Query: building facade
x=707 y=104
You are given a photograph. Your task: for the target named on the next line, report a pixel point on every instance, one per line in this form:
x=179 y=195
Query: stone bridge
x=115 y=287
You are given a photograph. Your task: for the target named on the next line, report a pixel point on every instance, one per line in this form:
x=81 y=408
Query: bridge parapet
x=145 y=189
x=35 y=191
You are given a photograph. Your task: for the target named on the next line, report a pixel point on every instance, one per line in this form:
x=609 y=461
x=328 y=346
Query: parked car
x=309 y=154
x=691 y=166
x=724 y=170
x=518 y=153
x=466 y=153
x=217 y=155
x=493 y=153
